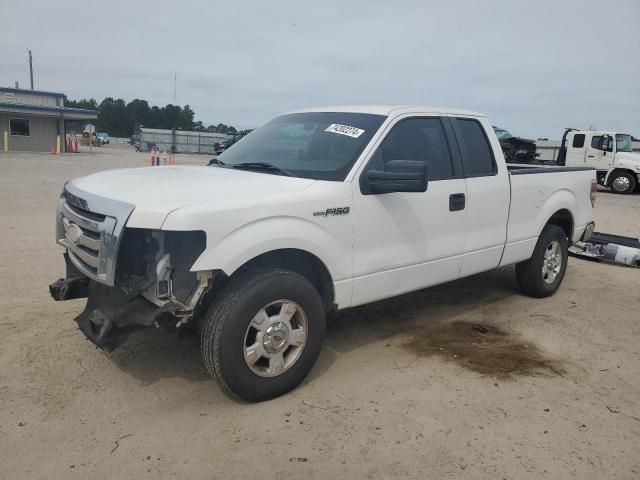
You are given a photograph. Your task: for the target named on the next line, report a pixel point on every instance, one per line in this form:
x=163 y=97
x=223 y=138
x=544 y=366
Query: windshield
x=623 y=143
x=502 y=134
x=318 y=145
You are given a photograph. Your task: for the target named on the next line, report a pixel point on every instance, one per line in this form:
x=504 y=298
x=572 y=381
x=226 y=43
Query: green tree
x=171 y=117
x=138 y=113
x=112 y=117
x=89 y=104
x=185 y=120
x=121 y=119
x=156 y=118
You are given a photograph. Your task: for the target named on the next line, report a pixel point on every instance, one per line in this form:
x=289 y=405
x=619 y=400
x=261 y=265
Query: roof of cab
x=391 y=110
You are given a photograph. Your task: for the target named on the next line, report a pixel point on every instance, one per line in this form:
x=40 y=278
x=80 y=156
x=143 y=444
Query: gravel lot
x=403 y=388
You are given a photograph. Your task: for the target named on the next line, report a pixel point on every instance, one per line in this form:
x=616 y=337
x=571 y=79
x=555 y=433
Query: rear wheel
x=622 y=182
x=542 y=274
x=263 y=333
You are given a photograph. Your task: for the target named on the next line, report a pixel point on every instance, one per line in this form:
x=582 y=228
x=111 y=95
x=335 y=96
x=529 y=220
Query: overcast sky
x=533 y=67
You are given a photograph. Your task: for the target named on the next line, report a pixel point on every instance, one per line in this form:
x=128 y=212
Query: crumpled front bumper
x=110 y=314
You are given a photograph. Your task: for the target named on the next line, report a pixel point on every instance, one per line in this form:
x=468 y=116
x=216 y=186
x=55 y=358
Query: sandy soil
x=410 y=387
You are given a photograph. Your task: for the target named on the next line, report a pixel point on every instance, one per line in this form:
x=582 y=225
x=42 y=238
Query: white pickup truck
x=316 y=211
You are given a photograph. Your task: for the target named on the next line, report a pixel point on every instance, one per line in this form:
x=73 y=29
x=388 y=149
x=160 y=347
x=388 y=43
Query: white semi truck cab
x=610 y=153
x=316 y=211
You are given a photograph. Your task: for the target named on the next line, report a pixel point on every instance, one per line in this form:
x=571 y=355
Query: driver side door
x=405 y=241
x=597 y=156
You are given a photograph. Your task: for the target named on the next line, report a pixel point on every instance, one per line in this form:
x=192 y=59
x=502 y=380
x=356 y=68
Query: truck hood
x=628 y=159
x=157 y=191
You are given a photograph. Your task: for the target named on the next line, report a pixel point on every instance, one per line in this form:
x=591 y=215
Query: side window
x=421 y=139
x=477 y=156
x=596 y=142
x=578 y=140
x=19 y=127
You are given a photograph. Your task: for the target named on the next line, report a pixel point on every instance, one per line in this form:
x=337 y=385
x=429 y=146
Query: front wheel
x=623 y=183
x=542 y=274
x=263 y=333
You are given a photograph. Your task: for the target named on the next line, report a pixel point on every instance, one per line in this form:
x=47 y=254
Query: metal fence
x=180 y=141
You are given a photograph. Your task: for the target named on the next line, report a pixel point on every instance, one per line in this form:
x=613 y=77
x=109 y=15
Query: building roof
x=70 y=113
x=390 y=109
x=37 y=92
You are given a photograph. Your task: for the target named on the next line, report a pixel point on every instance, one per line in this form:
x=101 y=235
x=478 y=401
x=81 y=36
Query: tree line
x=121 y=119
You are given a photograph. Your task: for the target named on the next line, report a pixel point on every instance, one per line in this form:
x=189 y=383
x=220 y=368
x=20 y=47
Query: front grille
x=96 y=217
x=90 y=227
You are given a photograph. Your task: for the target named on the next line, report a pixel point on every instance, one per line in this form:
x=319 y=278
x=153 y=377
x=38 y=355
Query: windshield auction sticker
x=344 y=130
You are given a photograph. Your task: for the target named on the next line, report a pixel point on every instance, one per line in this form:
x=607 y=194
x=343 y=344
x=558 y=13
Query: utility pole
x=175 y=82
x=31 y=68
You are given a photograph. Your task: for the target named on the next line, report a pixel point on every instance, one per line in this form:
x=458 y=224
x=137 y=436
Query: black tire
x=631 y=183
x=226 y=324
x=529 y=274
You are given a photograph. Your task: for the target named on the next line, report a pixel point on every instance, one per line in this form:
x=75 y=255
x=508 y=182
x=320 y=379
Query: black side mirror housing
x=398 y=176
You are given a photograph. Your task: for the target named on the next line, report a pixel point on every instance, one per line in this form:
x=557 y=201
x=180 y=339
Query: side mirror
x=398 y=176
x=606 y=144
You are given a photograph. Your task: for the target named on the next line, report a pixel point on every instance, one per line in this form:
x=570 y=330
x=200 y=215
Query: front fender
x=273 y=233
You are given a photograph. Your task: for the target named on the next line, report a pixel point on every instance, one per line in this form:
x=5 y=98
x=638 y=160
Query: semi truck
x=318 y=210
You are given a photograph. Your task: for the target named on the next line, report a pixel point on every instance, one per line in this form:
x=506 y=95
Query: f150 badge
x=331 y=212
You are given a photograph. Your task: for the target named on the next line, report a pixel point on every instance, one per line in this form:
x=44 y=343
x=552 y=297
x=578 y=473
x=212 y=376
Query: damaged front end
x=132 y=278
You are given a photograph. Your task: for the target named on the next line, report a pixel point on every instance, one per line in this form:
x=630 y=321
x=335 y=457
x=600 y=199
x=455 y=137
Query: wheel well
x=302 y=263
x=563 y=219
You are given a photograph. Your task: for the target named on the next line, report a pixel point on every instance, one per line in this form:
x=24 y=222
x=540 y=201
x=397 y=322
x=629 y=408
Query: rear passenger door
x=488 y=194
x=405 y=241
x=575 y=154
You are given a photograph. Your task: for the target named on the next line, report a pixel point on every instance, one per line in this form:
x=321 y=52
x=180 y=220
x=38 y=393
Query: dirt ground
x=467 y=380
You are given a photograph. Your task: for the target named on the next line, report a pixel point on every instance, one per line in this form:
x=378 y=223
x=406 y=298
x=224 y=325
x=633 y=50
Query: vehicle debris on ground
x=609 y=248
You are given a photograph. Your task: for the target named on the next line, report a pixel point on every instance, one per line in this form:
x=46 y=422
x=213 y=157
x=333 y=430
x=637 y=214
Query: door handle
x=591 y=156
x=456 y=202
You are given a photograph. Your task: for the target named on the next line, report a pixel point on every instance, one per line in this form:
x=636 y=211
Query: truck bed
x=535 y=199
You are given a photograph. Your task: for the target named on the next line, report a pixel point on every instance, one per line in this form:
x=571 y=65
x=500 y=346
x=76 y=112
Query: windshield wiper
x=215 y=161
x=261 y=166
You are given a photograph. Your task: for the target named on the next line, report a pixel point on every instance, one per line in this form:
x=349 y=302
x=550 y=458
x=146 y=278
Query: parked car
x=220 y=147
x=135 y=141
x=318 y=210
x=103 y=137
x=516 y=149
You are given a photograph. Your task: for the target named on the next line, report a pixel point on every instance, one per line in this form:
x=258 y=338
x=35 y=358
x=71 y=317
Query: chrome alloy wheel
x=552 y=262
x=275 y=338
x=621 y=184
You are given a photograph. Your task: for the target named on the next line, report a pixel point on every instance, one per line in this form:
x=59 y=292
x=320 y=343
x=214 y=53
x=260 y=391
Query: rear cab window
x=475 y=149
x=578 y=140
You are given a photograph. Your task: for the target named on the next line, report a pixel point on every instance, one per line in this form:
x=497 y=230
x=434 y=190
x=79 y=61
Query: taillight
x=594 y=190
